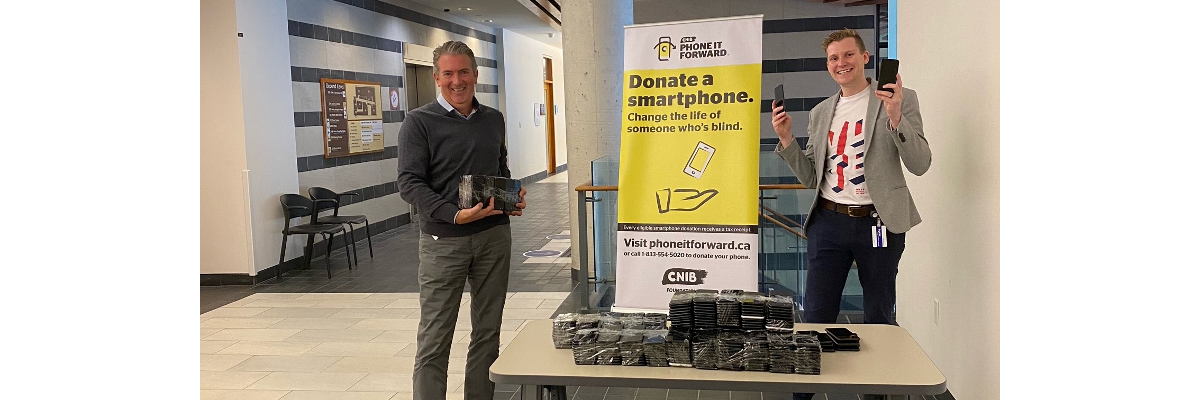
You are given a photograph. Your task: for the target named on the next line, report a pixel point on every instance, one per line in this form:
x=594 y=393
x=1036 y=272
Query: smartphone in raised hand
x=778 y=97
x=888 y=68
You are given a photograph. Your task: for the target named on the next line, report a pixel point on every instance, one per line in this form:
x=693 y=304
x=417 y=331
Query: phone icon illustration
x=664 y=47
x=699 y=162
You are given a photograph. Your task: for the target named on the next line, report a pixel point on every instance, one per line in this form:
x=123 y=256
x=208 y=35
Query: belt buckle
x=853 y=211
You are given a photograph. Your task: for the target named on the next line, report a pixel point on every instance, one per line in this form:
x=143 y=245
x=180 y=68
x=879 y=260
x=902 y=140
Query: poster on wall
x=352 y=117
x=687 y=213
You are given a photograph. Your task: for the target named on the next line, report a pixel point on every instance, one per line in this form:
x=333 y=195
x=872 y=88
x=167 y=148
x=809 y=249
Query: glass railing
x=782 y=251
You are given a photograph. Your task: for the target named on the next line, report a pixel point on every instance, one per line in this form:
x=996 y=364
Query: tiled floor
x=335 y=345
x=353 y=336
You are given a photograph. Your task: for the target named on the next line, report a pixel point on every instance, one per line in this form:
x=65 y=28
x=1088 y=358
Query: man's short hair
x=839 y=35
x=454 y=47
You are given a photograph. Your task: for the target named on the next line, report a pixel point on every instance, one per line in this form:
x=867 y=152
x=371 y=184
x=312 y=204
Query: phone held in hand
x=888 y=68
x=778 y=97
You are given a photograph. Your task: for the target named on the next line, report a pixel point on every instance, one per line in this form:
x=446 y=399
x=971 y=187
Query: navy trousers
x=834 y=242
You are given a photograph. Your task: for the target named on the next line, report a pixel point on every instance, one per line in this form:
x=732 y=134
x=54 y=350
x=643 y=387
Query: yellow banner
x=689 y=146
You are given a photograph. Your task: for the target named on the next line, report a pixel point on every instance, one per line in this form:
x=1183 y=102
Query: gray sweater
x=438 y=147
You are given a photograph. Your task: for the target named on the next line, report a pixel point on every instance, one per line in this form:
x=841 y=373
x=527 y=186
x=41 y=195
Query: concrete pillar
x=593 y=54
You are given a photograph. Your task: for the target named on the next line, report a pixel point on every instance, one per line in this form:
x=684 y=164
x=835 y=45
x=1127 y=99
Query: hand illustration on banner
x=689 y=203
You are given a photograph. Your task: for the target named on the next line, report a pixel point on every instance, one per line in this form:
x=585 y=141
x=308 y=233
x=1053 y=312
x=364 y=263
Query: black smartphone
x=888 y=68
x=842 y=334
x=778 y=97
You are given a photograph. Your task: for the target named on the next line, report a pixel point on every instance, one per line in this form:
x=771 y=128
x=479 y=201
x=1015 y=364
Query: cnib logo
x=684 y=276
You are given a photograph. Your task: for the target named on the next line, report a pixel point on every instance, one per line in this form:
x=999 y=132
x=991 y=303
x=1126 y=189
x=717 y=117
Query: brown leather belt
x=853 y=211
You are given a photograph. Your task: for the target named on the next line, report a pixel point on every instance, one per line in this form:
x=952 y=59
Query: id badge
x=879 y=236
x=878 y=232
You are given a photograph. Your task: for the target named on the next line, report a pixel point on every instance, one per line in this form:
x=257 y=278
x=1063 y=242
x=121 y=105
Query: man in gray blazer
x=858 y=138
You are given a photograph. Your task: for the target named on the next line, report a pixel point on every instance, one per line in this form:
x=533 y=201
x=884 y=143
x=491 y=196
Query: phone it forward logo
x=684 y=276
x=664 y=47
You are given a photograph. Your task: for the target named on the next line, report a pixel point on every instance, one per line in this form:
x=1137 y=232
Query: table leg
x=530 y=392
x=557 y=392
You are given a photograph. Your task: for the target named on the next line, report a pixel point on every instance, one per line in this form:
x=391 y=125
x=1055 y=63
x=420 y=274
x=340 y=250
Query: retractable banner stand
x=687 y=210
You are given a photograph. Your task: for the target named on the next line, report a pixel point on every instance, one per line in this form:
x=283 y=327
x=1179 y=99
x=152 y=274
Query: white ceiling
x=513 y=15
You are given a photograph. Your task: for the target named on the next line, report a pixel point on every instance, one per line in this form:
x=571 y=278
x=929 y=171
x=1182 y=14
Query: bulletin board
x=352 y=117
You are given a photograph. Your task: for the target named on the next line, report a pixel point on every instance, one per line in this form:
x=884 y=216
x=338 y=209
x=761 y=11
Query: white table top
x=889 y=362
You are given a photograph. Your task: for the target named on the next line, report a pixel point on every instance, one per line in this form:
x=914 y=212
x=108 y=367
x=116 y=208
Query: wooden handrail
x=788 y=228
x=590 y=188
x=779 y=214
x=781 y=186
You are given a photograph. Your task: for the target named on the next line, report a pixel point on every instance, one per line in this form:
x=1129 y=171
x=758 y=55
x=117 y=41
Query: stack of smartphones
x=704 y=309
x=827 y=344
x=780 y=316
x=655 y=346
x=754 y=311
x=843 y=339
x=680 y=310
x=808 y=354
x=476 y=189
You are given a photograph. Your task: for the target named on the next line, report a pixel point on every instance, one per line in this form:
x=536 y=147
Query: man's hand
x=891 y=101
x=520 y=205
x=469 y=215
x=782 y=124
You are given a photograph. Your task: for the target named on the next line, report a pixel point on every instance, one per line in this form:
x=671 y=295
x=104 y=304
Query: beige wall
x=949 y=52
x=270 y=128
x=224 y=237
x=522 y=70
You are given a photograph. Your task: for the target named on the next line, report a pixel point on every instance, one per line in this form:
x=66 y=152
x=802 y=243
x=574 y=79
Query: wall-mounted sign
x=352 y=117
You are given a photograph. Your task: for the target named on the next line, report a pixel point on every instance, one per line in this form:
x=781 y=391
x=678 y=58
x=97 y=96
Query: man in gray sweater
x=439 y=143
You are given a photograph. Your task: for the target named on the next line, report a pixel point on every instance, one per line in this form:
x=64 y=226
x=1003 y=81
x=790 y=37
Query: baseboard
x=533 y=178
x=318 y=251
x=541 y=175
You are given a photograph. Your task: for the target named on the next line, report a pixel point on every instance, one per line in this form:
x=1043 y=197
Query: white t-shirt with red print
x=845 y=180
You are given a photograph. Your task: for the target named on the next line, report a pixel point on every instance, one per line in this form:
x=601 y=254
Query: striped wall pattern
x=363 y=40
x=791 y=42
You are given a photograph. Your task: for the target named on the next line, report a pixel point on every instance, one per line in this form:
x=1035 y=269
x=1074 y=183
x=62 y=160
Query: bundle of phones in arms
x=475 y=189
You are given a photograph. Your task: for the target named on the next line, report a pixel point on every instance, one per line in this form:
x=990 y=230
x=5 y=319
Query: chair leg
x=369 y=246
x=308 y=252
x=328 y=255
x=353 y=241
x=282 y=251
x=348 y=265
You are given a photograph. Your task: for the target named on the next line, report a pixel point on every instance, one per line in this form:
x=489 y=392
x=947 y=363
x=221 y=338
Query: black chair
x=295 y=205
x=324 y=199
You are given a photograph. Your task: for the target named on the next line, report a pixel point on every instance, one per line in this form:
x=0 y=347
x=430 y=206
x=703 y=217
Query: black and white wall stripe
x=364 y=40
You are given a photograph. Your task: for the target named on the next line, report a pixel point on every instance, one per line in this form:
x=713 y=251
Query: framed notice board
x=352 y=115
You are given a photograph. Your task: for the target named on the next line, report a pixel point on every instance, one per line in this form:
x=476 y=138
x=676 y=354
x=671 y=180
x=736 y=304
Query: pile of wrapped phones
x=612 y=338
x=750 y=332
x=727 y=330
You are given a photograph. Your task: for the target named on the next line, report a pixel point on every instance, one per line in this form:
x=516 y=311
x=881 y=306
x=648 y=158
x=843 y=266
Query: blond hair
x=454 y=47
x=842 y=34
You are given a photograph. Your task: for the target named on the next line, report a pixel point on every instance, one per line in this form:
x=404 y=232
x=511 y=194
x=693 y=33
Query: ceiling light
x=464 y=9
x=488 y=20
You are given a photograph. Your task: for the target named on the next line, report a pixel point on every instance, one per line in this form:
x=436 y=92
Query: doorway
x=419 y=91
x=548 y=96
x=419 y=81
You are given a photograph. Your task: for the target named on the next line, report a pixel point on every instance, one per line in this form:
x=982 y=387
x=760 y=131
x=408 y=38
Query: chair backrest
x=320 y=193
x=290 y=201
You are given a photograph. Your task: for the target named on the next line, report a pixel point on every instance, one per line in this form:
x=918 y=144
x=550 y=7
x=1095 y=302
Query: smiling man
x=439 y=143
x=858 y=139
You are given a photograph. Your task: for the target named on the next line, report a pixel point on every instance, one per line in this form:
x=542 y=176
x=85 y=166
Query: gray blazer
x=885 y=151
